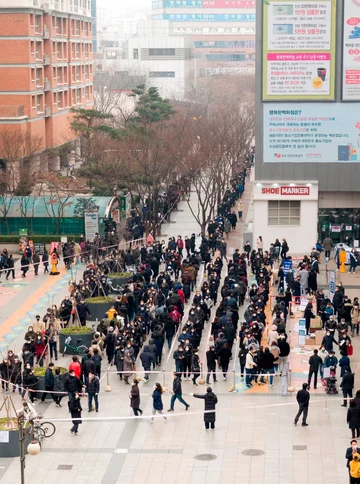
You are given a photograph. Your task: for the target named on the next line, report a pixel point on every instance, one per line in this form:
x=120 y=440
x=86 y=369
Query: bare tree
x=19 y=166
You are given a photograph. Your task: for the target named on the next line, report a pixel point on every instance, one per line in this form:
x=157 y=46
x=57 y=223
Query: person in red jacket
x=75 y=365
x=180 y=245
x=40 y=348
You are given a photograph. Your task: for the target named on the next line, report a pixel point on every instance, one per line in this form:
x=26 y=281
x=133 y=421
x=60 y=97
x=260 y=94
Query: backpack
x=175 y=316
x=355 y=467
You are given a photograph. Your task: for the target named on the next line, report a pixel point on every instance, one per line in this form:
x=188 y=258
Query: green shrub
x=100 y=300
x=76 y=330
x=118 y=275
x=40 y=370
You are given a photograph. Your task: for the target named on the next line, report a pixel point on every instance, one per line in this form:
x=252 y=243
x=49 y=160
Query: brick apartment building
x=45 y=65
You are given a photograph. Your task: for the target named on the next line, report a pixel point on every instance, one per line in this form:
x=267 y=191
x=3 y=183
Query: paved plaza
x=255 y=440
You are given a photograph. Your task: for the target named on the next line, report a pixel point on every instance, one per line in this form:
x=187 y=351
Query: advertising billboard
x=311 y=133
x=351 y=51
x=299 y=50
x=204 y=4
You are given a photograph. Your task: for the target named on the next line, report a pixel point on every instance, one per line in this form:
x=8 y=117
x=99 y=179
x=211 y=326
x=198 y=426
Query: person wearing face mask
x=195 y=365
x=350 y=451
x=135 y=398
x=179 y=359
x=211 y=364
x=128 y=362
x=75 y=410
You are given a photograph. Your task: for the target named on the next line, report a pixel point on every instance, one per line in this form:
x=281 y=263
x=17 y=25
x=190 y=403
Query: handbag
x=350 y=350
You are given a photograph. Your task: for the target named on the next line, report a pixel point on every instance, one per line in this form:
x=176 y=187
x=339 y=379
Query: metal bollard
x=108 y=387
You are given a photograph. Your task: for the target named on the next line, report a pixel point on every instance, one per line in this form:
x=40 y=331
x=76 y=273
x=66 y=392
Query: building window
x=77 y=73
x=87 y=96
x=78 y=96
x=39 y=103
x=59 y=75
x=111 y=54
x=38 y=77
x=38 y=24
x=162 y=74
x=135 y=53
x=77 y=51
x=77 y=27
x=161 y=51
x=32 y=20
x=283 y=212
x=59 y=100
x=33 y=102
x=33 y=74
x=59 y=25
x=38 y=50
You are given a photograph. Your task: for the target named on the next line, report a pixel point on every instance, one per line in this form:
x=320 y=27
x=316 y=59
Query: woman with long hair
x=157 y=401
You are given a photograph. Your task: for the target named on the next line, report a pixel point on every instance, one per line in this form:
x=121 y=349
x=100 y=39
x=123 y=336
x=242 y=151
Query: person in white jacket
x=250 y=366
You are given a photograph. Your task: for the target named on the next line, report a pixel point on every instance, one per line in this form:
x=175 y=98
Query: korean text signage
x=204 y=4
x=91 y=220
x=311 y=133
x=299 y=50
x=351 y=51
x=286 y=190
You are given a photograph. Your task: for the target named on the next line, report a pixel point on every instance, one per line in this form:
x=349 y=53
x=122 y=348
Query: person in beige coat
x=355 y=319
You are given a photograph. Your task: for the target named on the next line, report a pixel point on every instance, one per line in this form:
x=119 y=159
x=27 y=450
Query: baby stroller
x=330 y=387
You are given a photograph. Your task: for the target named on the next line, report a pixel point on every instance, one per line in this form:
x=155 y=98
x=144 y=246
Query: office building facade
x=46 y=66
x=223 y=31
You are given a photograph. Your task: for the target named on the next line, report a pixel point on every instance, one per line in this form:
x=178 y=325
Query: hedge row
x=47 y=239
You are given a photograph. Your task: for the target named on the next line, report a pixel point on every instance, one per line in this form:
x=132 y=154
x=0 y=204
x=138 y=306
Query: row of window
x=60 y=74
x=78 y=50
x=62 y=99
x=161 y=74
x=283 y=212
x=61 y=25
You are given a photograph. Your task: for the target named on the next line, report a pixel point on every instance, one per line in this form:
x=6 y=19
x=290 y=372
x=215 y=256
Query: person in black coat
x=308 y=315
x=353 y=418
x=75 y=410
x=315 y=362
x=83 y=311
x=347 y=385
x=49 y=382
x=210 y=403
x=303 y=399
x=350 y=451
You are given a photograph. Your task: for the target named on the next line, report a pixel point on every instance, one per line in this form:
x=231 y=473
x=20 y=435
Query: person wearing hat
x=210 y=401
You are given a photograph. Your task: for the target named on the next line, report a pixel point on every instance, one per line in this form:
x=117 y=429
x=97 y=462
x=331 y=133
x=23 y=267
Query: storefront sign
x=336 y=228
x=286 y=190
x=311 y=133
x=214 y=30
x=299 y=50
x=351 y=51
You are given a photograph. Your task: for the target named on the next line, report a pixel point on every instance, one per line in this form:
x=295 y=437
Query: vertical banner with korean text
x=351 y=51
x=299 y=50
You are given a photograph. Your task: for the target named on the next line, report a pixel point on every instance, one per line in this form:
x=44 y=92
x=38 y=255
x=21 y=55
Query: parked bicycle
x=42 y=430
x=79 y=349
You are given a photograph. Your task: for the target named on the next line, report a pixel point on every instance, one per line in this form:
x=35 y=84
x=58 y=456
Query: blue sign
x=218 y=17
x=287 y=265
x=332 y=285
x=311 y=133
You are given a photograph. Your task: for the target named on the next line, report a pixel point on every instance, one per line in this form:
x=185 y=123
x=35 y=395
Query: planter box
x=86 y=340
x=98 y=310
x=120 y=281
x=12 y=448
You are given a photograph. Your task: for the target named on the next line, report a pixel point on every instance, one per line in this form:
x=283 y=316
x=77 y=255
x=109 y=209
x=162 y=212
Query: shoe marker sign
x=286 y=190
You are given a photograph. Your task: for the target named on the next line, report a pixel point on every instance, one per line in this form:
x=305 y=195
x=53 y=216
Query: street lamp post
x=21 y=420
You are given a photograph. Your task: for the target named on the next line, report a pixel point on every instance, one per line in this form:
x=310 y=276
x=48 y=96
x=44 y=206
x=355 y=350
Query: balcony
x=47 y=112
x=46 y=60
x=46 y=34
x=12 y=112
x=47 y=86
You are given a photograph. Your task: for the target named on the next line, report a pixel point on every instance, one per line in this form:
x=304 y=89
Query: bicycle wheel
x=48 y=428
x=39 y=434
x=82 y=350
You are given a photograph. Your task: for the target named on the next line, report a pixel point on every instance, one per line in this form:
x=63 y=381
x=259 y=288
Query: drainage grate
x=64 y=467
x=299 y=447
x=205 y=457
x=253 y=452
